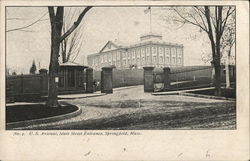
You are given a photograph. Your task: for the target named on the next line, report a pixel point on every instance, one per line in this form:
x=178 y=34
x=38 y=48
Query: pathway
x=131 y=108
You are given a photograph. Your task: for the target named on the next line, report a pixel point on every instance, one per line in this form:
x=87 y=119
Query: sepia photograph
x=121 y=67
x=124 y=80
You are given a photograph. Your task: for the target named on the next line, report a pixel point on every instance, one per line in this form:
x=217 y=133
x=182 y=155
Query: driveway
x=131 y=108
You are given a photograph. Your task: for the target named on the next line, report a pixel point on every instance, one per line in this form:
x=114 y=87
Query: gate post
x=89 y=80
x=167 y=80
x=107 y=80
x=43 y=81
x=9 y=93
x=148 y=79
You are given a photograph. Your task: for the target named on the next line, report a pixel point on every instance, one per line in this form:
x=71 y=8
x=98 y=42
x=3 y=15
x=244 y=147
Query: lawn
x=23 y=112
x=161 y=115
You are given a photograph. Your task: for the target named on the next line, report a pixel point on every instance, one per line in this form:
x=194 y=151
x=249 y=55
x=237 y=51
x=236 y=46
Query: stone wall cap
x=148 y=68
x=107 y=68
x=89 y=69
x=72 y=64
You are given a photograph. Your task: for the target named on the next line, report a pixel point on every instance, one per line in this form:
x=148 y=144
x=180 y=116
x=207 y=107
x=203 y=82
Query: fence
x=193 y=76
x=125 y=77
x=191 y=73
x=33 y=86
x=29 y=84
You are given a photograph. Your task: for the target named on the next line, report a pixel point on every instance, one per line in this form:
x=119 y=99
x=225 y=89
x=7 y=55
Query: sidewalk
x=180 y=91
x=88 y=95
x=81 y=95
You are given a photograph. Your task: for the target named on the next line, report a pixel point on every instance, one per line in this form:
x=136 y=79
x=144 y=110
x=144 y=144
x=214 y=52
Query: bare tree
x=71 y=46
x=212 y=20
x=228 y=41
x=56 y=21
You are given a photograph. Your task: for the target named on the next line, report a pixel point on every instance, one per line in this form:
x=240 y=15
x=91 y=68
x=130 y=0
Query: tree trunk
x=56 y=29
x=227 y=71
x=217 y=69
x=53 y=71
x=56 y=21
x=217 y=66
x=52 y=100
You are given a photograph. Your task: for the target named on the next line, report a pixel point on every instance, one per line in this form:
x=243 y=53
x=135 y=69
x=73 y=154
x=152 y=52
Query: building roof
x=72 y=64
x=146 y=39
x=109 y=43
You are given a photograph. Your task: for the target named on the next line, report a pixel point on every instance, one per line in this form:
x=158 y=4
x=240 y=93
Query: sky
x=100 y=25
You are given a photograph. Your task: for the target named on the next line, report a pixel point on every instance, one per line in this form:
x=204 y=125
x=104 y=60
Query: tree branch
x=210 y=31
x=51 y=15
x=202 y=19
x=225 y=20
x=188 y=21
x=20 y=28
x=76 y=23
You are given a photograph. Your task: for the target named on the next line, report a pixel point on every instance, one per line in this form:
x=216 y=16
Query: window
x=124 y=62
x=154 y=50
x=161 y=59
x=154 y=59
x=173 y=60
x=118 y=55
x=138 y=52
x=160 y=50
x=148 y=59
x=173 y=52
x=124 y=55
x=167 y=59
x=148 y=50
x=167 y=52
x=179 y=52
x=143 y=50
x=179 y=60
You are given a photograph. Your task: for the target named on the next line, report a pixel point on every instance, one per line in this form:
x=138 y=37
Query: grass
x=17 y=113
x=186 y=115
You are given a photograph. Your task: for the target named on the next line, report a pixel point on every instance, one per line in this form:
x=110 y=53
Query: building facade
x=150 y=51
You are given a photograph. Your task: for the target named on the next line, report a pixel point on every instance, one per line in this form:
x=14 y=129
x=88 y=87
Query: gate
x=158 y=80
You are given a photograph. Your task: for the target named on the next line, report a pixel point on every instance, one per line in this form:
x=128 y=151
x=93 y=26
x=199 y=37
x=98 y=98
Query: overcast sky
x=100 y=25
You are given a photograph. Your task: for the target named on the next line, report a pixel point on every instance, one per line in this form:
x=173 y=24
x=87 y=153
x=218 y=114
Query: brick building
x=151 y=50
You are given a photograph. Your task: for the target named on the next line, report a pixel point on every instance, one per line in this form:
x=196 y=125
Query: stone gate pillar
x=89 y=80
x=44 y=80
x=167 y=81
x=9 y=93
x=148 y=78
x=107 y=80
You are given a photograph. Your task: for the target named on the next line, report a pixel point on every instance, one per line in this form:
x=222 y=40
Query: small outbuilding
x=71 y=77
